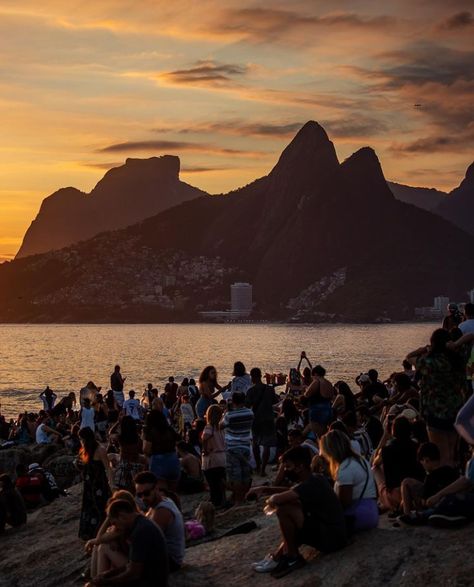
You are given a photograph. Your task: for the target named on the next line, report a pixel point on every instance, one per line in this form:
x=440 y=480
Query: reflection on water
x=67 y=356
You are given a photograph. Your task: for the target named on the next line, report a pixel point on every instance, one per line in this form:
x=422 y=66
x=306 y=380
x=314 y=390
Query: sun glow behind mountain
x=225 y=85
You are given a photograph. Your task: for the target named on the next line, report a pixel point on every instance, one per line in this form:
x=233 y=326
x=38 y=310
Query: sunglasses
x=145 y=493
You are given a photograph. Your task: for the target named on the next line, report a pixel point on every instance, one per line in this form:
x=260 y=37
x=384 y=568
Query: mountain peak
x=470 y=172
x=365 y=176
x=310 y=149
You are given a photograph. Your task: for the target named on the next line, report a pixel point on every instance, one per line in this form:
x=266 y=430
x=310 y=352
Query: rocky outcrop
x=58 y=461
x=127 y=194
x=47 y=552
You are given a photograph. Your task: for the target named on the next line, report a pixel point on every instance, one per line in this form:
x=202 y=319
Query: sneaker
x=443 y=521
x=266 y=565
x=288 y=565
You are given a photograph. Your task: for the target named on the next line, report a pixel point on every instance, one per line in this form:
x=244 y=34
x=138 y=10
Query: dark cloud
x=134 y=146
x=206 y=72
x=205 y=169
x=105 y=166
x=426 y=62
x=242 y=128
x=452 y=143
x=263 y=24
x=358 y=126
x=458 y=21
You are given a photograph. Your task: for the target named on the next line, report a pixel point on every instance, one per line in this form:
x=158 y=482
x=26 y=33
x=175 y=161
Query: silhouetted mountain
x=317 y=239
x=426 y=198
x=459 y=206
x=139 y=189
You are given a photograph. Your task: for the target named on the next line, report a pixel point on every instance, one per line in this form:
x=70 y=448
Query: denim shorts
x=166 y=466
x=321 y=413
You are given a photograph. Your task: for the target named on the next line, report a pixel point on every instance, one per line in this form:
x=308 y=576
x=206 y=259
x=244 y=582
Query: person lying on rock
x=308 y=513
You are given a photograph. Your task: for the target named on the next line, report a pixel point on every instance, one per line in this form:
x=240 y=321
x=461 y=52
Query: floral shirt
x=441 y=387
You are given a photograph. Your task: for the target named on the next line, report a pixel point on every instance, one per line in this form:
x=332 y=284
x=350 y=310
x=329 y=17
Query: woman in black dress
x=96 y=490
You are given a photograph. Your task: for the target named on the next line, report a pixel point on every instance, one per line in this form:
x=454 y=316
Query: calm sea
x=66 y=357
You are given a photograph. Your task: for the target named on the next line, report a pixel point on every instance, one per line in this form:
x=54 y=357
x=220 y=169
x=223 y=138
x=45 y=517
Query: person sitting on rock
x=453 y=506
x=12 y=506
x=147 y=561
x=191 y=479
x=49 y=488
x=415 y=493
x=308 y=513
x=165 y=513
x=394 y=460
x=44 y=433
x=29 y=486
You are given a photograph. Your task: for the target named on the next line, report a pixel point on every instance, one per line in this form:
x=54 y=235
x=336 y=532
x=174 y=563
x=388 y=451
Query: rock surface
x=47 y=553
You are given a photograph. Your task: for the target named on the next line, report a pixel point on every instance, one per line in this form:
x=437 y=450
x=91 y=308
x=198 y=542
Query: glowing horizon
x=225 y=85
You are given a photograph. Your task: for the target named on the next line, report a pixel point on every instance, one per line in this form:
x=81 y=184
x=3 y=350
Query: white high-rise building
x=441 y=303
x=241 y=298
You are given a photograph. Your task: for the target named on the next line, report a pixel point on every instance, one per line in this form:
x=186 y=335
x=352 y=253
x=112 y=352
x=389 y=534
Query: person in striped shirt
x=237 y=426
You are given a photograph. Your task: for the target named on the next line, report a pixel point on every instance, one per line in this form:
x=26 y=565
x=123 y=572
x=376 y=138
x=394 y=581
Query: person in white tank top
x=87 y=415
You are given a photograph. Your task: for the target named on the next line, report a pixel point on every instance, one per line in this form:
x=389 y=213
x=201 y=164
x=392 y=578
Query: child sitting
x=415 y=493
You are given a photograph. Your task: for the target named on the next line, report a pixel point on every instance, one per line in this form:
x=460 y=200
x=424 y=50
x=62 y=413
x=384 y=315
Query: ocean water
x=66 y=357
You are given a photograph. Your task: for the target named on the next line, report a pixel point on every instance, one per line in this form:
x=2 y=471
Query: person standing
x=87 y=415
x=48 y=397
x=159 y=443
x=453 y=318
x=132 y=406
x=320 y=394
x=213 y=455
x=261 y=398
x=171 y=393
x=442 y=377
x=116 y=383
x=467 y=327
x=209 y=389
x=96 y=490
x=237 y=424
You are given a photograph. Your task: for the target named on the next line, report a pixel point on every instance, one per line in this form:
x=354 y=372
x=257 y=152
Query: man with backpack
x=261 y=398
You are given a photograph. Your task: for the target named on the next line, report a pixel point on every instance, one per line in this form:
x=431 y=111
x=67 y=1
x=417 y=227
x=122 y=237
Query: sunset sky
x=225 y=85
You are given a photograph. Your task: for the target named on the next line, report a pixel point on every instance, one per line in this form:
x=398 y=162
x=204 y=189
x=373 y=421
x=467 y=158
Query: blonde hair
x=206 y=514
x=335 y=447
x=213 y=415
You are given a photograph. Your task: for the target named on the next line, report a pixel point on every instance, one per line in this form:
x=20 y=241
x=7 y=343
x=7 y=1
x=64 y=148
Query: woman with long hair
x=213 y=455
x=130 y=461
x=159 y=444
x=353 y=481
x=344 y=401
x=208 y=390
x=96 y=491
x=442 y=381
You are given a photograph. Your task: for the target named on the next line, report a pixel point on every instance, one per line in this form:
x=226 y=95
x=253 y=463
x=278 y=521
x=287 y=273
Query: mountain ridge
x=311 y=225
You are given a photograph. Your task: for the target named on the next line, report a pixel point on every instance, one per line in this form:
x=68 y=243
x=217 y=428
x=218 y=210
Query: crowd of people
x=339 y=455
